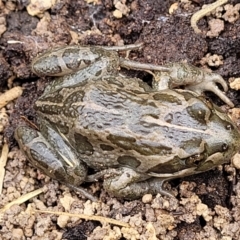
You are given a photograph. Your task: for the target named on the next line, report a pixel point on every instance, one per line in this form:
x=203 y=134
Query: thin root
x=203 y=12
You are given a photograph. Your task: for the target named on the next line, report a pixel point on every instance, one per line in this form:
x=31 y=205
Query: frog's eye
x=224 y=147
x=199 y=111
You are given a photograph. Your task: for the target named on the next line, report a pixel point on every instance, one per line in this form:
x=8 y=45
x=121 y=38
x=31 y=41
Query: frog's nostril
x=229 y=127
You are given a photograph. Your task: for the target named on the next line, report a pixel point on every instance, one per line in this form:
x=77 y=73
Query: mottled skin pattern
x=134 y=136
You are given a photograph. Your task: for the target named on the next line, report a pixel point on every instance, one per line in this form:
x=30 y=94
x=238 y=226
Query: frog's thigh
x=44 y=156
x=129 y=184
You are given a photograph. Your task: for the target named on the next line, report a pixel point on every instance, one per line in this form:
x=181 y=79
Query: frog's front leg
x=53 y=156
x=193 y=78
x=126 y=183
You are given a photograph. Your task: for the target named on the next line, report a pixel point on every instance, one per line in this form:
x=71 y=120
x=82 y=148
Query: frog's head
x=223 y=139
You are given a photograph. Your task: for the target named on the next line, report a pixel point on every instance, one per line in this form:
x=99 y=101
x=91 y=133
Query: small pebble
x=236 y=161
x=147 y=198
x=62 y=221
x=17 y=233
x=117 y=14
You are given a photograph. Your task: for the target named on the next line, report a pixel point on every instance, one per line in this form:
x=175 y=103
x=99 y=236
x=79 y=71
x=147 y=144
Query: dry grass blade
x=20 y=200
x=3 y=161
x=203 y=12
x=87 y=217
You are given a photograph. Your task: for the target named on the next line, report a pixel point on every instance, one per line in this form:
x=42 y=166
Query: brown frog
x=134 y=136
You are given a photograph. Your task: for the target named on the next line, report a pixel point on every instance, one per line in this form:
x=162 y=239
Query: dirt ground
x=206 y=205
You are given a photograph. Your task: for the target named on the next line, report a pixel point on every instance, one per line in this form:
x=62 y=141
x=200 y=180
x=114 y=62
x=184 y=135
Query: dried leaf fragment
x=10 y=95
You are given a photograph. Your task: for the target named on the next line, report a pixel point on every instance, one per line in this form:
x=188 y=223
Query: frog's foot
x=96 y=176
x=83 y=192
x=209 y=84
x=128 y=184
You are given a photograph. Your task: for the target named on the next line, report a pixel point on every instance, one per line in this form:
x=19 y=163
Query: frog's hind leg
x=53 y=155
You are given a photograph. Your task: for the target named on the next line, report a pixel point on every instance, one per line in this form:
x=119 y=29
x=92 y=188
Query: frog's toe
x=220 y=80
x=83 y=192
x=212 y=87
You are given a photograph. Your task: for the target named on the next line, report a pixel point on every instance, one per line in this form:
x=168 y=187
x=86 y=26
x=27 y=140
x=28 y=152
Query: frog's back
x=122 y=123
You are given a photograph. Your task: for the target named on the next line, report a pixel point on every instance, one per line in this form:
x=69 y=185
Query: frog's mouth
x=211 y=162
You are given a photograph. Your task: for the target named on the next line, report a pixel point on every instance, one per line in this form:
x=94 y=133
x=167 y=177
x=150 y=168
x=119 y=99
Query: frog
x=97 y=123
